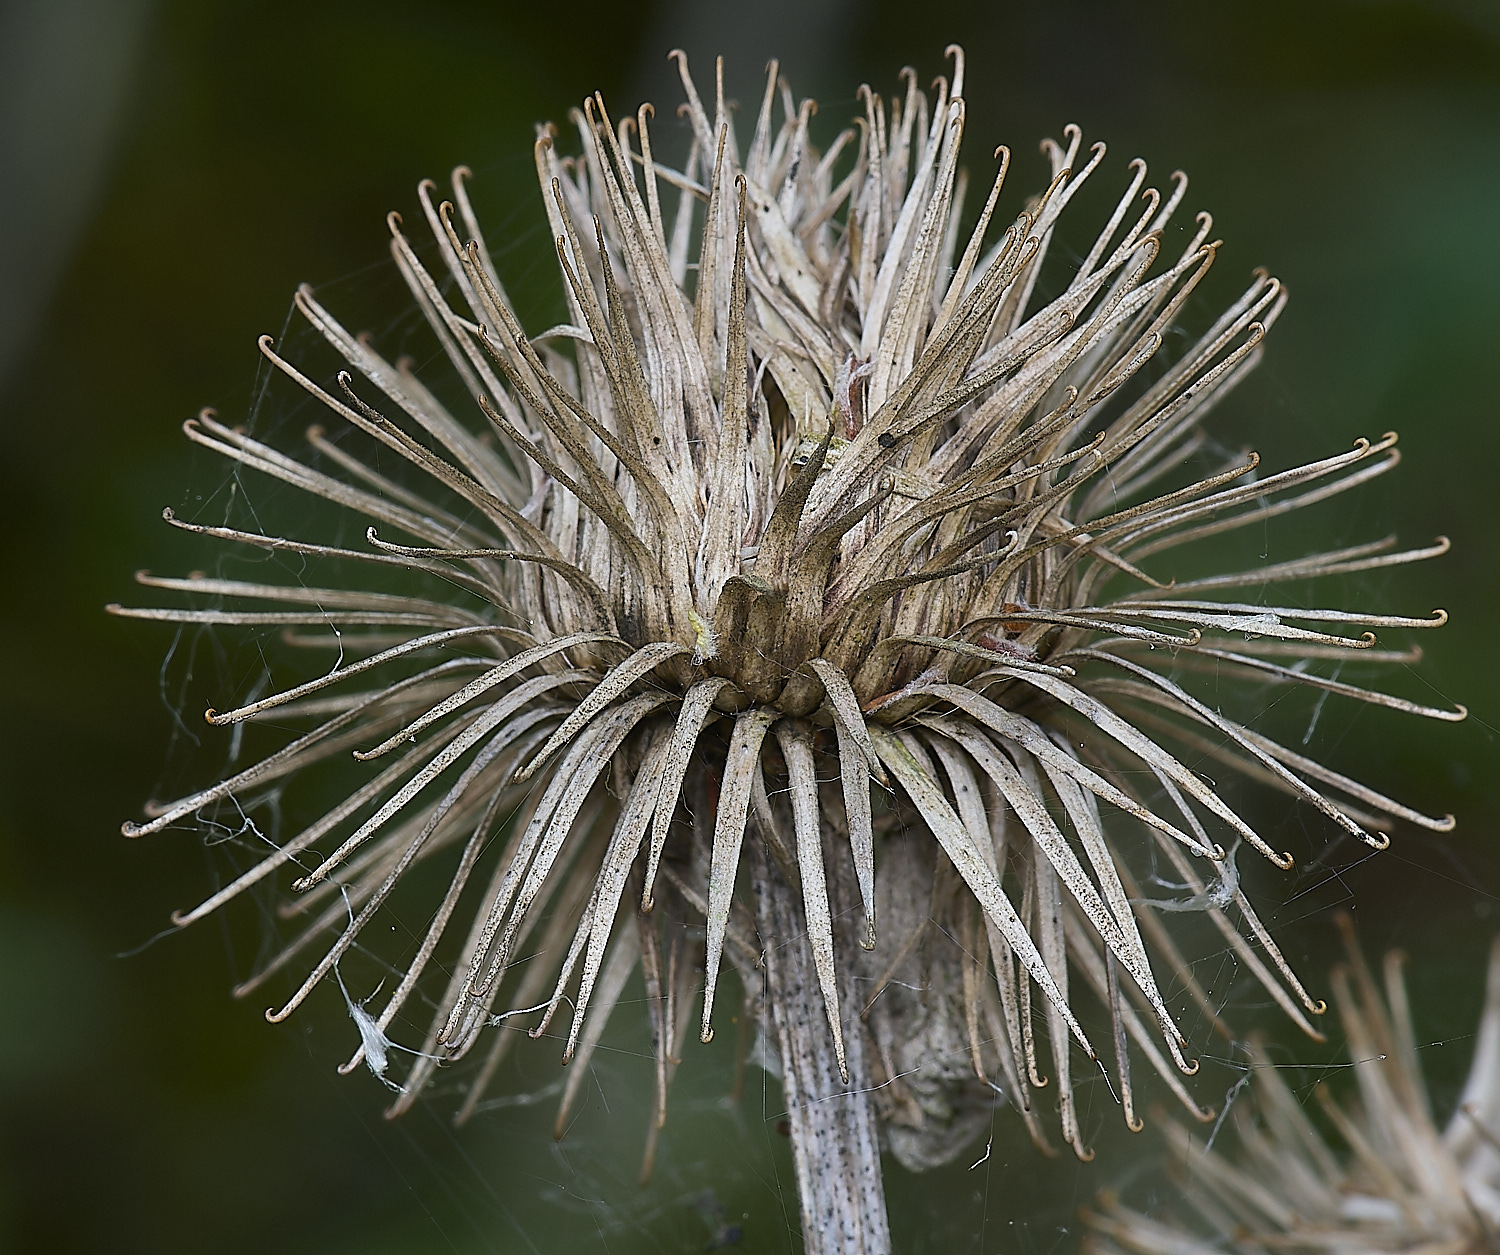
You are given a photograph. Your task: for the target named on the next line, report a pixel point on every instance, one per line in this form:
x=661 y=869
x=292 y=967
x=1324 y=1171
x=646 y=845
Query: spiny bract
x=810 y=489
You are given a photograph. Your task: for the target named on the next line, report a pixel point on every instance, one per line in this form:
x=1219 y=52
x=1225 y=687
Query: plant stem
x=833 y=1131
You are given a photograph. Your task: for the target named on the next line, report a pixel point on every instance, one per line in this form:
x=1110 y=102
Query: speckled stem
x=834 y=1139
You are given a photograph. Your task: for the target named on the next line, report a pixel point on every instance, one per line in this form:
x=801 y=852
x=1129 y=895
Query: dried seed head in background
x=812 y=488
x=1391 y=1180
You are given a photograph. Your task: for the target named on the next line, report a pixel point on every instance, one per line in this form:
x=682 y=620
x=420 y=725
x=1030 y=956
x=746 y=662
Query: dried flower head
x=1398 y=1183
x=812 y=488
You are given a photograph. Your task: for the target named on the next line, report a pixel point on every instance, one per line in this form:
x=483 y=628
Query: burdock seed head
x=1393 y=1179
x=819 y=519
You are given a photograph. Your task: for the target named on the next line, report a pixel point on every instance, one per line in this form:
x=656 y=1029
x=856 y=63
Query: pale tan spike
x=928 y=797
x=624 y=955
x=740 y=770
x=630 y=830
x=796 y=747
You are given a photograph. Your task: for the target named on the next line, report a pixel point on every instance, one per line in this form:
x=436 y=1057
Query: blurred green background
x=170 y=171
